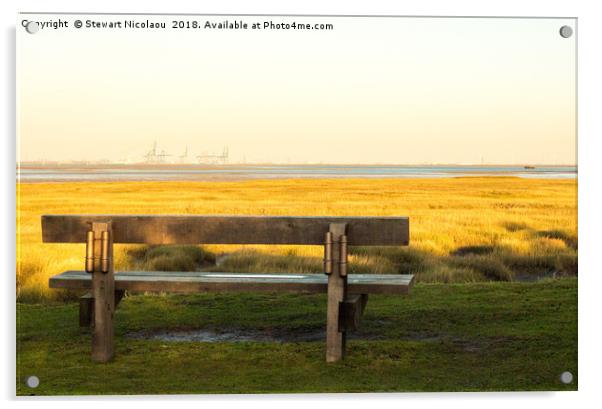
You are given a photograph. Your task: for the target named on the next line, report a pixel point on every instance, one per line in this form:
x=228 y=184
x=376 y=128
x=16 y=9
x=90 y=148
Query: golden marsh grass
x=461 y=229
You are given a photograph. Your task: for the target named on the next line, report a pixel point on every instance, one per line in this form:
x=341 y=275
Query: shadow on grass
x=472 y=250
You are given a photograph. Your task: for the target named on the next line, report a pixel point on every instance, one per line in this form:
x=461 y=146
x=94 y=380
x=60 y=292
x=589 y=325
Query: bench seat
x=194 y=282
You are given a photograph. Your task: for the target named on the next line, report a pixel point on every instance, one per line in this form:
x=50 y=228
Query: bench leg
x=352 y=309
x=103 y=290
x=119 y=294
x=337 y=289
x=86 y=308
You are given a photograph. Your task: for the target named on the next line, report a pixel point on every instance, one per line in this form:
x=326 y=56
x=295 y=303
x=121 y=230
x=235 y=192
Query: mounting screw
x=33 y=381
x=566 y=377
x=566 y=31
x=32 y=27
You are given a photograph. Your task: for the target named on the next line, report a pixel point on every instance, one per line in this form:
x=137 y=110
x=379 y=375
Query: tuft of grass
x=490 y=268
x=569 y=239
x=566 y=265
x=444 y=273
x=253 y=261
x=170 y=258
x=33 y=273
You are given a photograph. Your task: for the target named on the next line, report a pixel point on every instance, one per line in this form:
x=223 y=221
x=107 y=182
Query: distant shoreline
x=59 y=165
x=71 y=173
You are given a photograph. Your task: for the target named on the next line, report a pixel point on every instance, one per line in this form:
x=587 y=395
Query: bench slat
x=193 y=282
x=361 y=231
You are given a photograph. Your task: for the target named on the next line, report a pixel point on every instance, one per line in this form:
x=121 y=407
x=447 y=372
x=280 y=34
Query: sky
x=369 y=91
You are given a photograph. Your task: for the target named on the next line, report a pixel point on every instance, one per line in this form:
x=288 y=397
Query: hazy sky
x=372 y=90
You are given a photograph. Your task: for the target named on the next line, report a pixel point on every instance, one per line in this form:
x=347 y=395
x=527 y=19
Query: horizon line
x=109 y=163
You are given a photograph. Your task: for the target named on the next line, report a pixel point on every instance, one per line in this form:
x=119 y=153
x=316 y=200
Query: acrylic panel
x=295 y=204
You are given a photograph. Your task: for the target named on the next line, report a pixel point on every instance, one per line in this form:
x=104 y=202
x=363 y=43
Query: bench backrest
x=162 y=229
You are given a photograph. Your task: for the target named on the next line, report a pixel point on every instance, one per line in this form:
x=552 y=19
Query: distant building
x=153 y=156
x=211 y=159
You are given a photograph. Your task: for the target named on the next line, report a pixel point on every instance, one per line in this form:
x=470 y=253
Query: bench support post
x=103 y=291
x=337 y=290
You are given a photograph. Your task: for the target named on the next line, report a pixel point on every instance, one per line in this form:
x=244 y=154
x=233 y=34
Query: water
x=32 y=173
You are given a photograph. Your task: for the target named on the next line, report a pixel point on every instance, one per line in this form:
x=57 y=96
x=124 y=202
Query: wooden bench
x=347 y=294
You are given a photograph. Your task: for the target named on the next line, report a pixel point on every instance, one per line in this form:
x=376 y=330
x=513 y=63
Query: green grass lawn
x=443 y=337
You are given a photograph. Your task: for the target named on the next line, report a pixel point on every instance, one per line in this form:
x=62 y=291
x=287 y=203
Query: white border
x=590 y=151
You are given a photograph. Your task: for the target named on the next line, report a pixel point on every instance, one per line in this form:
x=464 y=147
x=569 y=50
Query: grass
x=462 y=229
x=470 y=324
x=452 y=337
